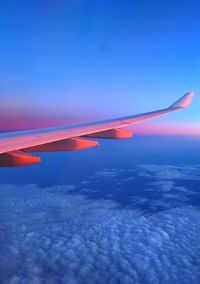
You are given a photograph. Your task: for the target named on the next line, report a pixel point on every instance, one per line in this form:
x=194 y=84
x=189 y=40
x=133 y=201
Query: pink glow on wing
x=23 y=122
x=14 y=117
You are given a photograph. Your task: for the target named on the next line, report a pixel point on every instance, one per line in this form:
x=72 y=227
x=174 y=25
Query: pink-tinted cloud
x=175 y=129
x=21 y=120
x=26 y=114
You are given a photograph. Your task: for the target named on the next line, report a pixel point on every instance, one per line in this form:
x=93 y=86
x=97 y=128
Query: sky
x=124 y=212
x=64 y=62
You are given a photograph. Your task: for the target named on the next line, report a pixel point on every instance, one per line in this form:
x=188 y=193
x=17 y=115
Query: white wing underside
x=20 y=140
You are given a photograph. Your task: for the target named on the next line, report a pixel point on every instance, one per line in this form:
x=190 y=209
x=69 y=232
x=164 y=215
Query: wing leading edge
x=22 y=140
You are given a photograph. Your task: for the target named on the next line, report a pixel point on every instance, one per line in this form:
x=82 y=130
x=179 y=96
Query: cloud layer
x=49 y=235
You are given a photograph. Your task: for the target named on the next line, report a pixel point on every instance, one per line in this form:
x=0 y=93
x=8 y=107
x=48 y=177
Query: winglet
x=184 y=101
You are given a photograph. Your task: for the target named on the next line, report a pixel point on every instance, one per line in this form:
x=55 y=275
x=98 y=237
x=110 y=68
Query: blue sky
x=127 y=211
x=99 y=58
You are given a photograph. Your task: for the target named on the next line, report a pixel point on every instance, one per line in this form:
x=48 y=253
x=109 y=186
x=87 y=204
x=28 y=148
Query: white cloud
x=108 y=173
x=49 y=237
x=161 y=185
x=166 y=172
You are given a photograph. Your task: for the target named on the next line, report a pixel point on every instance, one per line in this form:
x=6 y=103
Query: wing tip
x=184 y=101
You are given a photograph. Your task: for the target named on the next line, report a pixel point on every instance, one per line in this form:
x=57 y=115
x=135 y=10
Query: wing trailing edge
x=42 y=139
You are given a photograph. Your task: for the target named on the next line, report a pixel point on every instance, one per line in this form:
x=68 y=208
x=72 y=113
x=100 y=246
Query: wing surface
x=20 y=140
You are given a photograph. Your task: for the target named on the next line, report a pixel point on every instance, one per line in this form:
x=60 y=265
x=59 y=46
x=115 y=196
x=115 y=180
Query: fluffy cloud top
x=49 y=235
x=170 y=172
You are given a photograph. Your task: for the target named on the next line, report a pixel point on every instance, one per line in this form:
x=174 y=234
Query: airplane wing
x=15 y=146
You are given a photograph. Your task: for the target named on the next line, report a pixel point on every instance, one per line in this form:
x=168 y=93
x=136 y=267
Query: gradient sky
x=69 y=61
x=124 y=212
